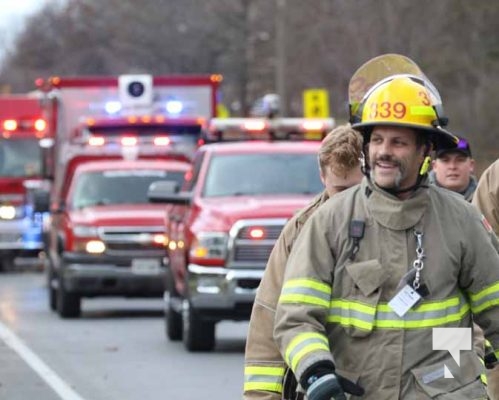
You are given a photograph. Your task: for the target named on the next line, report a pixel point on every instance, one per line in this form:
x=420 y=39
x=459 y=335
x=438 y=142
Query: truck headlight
x=12 y=212
x=95 y=247
x=209 y=248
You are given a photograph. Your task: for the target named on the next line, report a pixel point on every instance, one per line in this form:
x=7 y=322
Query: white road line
x=43 y=370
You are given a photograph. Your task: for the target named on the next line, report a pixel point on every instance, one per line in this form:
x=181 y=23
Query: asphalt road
x=116 y=350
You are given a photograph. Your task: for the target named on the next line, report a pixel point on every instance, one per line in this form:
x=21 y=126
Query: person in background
x=339 y=167
x=486 y=199
x=378 y=267
x=453 y=169
x=486 y=196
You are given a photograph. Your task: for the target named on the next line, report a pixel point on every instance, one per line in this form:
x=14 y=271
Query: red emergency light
x=313 y=125
x=40 y=125
x=96 y=141
x=256 y=233
x=10 y=125
x=256 y=125
x=129 y=141
x=162 y=141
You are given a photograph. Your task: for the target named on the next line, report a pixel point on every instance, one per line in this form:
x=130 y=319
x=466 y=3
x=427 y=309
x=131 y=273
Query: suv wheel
x=68 y=304
x=52 y=292
x=198 y=335
x=173 y=321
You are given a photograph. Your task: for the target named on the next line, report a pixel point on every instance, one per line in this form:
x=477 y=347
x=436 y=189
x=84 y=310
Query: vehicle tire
x=51 y=292
x=173 y=318
x=173 y=321
x=68 y=304
x=198 y=335
x=7 y=264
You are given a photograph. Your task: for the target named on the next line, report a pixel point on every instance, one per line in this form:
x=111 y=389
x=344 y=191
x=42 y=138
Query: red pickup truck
x=106 y=239
x=222 y=226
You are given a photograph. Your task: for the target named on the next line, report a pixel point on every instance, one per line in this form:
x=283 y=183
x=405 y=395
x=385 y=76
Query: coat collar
x=393 y=213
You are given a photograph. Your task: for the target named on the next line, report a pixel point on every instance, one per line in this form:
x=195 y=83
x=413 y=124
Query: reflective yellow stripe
x=304 y=344
x=263 y=370
x=263 y=378
x=422 y=110
x=428 y=314
x=483 y=377
x=306 y=291
x=304 y=299
x=485 y=298
x=352 y=313
x=423 y=322
x=309 y=283
x=263 y=386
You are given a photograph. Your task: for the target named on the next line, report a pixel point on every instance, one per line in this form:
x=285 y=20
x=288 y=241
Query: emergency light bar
x=230 y=129
x=11 y=125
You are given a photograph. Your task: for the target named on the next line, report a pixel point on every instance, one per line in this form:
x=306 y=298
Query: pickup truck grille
x=127 y=240
x=246 y=251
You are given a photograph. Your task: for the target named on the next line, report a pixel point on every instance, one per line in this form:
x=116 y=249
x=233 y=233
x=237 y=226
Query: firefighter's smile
x=387 y=166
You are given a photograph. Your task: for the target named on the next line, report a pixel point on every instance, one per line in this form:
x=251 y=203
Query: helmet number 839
x=388 y=110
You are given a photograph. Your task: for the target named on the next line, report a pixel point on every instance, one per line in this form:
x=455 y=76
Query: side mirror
x=41 y=201
x=48 y=157
x=58 y=208
x=167 y=192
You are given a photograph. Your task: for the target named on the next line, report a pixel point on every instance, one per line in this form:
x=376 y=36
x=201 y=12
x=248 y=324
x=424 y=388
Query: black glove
x=322 y=383
x=490 y=360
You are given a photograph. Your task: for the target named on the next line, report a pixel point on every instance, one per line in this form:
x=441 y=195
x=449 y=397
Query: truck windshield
x=20 y=157
x=262 y=174
x=118 y=186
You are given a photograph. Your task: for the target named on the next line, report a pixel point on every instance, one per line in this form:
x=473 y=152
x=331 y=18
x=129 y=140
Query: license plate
x=146 y=266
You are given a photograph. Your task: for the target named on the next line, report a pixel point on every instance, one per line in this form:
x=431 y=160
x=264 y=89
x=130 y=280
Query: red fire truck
x=224 y=222
x=22 y=127
x=116 y=135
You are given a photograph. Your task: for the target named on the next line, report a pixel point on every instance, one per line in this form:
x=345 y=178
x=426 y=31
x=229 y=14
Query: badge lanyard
x=418 y=263
x=411 y=289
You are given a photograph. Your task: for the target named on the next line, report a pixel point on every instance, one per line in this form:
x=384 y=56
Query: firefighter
x=453 y=169
x=486 y=198
x=339 y=167
x=377 y=268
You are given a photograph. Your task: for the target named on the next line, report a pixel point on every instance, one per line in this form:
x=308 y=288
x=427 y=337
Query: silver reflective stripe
x=263 y=378
x=302 y=345
x=427 y=314
x=484 y=301
x=306 y=291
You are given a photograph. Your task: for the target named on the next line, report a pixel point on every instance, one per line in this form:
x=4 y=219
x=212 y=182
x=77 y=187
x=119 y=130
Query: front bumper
x=88 y=276
x=228 y=293
x=20 y=234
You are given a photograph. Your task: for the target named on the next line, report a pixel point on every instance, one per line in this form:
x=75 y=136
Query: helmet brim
x=441 y=138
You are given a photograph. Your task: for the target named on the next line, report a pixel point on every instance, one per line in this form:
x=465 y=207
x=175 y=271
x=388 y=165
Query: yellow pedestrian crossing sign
x=315 y=103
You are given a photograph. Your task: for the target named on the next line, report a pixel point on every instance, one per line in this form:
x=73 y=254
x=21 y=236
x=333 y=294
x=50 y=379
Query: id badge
x=404 y=300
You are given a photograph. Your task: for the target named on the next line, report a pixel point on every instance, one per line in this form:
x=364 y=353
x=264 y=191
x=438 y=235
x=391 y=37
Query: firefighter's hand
x=332 y=386
x=323 y=383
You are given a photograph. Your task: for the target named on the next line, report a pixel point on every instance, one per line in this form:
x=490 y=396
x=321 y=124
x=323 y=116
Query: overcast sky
x=12 y=16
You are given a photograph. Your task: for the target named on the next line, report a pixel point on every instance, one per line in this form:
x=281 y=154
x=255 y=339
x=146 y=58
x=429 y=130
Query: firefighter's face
x=337 y=182
x=394 y=157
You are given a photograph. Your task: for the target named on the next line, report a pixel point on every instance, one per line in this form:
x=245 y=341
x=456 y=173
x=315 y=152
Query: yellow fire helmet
x=407 y=101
